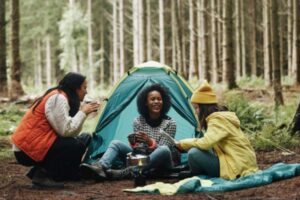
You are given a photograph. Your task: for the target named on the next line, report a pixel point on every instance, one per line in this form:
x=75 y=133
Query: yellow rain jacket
x=236 y=155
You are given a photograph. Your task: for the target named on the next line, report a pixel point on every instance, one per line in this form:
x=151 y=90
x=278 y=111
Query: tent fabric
x=116 y=119
x=276 y=172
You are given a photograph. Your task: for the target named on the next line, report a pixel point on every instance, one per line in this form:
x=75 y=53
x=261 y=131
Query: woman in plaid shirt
x=149 y=132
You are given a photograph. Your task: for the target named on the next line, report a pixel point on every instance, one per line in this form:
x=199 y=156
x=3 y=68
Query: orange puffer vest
x=34 y=136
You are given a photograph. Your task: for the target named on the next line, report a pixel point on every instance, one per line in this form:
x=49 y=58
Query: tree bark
x=16 y=87
x=121 y=34
x=267 y=64
x=115 y=43
x=275 y=54
x=3 y=72
x=290 y=36
x=192 y=41
x=149 y=31
x=238 y=61
x=295 y=125
x=228 y=41
x=90 y=46
x=214 y=52
x=48 y=62
x=253 y=39
x=161 y=32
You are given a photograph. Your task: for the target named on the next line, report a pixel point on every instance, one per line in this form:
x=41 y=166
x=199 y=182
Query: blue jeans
x=117 y=151
x=203 y=162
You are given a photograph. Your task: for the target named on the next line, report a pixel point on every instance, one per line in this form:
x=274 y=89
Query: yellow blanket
x=169 y=188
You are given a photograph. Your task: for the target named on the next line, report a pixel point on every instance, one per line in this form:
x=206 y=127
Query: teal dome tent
x=116 y=119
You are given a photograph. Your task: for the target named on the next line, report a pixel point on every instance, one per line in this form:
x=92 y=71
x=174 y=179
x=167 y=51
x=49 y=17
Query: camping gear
x=139 y=161
x=118 y=114
x=276 y=172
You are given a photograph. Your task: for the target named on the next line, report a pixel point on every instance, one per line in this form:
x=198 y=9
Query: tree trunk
x=149 y=31
x=295 y=125
x=290 y=36
x=161 y=32
x=267 y=64
x=115 y=43
x=135 y=16
x=295 y=38
x=182 y=67
x=102 y=58
x=39 y=76
x=121 y=33
x=275 y=54
x=214 y=52
x=16 y=87
x=174 y=35
x=228 y=41
x=297 y=46
x=48 y=62
x=3 y=72
x=253 y=38
x=238 y=52
x=192 y=41
x=141 y=31
x=90 y=46
x=243 y=40
x=202 y=64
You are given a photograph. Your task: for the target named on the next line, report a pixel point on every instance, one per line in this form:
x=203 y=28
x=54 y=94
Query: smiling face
x=154 y=103
x=82 y=91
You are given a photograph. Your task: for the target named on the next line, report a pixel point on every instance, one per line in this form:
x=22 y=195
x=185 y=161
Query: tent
x=116 y=119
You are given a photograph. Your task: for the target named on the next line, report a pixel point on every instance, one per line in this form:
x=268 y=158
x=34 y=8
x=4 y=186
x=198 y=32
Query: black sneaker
x=121 y=173
x=92 y=171
x=40 y=179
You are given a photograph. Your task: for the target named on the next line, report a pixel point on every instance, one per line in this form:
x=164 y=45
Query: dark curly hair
x=142 y=99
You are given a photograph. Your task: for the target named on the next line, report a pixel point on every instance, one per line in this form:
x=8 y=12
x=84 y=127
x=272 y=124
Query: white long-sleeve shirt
x=57 y=113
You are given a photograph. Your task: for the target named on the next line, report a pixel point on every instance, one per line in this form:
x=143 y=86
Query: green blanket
x=205 y=184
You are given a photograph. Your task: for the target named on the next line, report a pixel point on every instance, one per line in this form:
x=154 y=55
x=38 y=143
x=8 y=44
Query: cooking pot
x=139 y=160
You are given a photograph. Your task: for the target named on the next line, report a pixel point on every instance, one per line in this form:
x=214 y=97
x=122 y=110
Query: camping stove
x=139 y=161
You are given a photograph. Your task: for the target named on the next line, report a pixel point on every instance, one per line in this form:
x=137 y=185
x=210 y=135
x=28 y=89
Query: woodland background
x=249 y=50
x=223 y=41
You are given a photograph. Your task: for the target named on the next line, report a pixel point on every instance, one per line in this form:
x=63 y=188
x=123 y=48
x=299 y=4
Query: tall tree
x=115 y=43
x=149 y=31
x=192 y=41
x=202 y=47
x=267 y=54
x=290 y=36
x=90 y=45
x=16 y=87
x=121 y=37
x=275 y=54
x=238 y=52
x=161 y=32
x=3 y=72
x=214 y=53
x=253 y=38
x=296 y=42
x=228 y=44
x=243 y=38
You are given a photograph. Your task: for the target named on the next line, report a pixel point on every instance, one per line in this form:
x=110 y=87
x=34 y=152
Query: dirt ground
x=14 y=184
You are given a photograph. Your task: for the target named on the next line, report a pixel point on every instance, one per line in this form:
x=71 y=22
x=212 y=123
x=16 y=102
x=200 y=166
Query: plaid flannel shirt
x=167 y=125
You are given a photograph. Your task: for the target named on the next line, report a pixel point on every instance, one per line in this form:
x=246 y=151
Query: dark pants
x=63 y=158
x=203 y=162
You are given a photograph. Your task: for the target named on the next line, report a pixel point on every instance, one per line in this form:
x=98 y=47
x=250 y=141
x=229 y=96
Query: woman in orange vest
x=47 y=137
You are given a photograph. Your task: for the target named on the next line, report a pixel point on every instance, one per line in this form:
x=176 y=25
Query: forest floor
x=15 y=185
